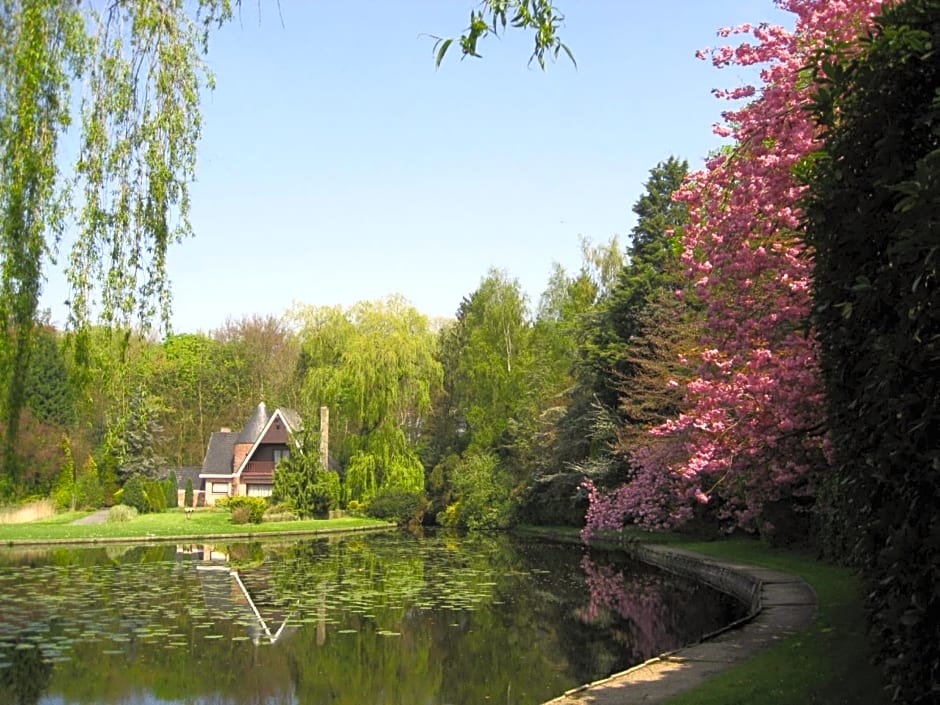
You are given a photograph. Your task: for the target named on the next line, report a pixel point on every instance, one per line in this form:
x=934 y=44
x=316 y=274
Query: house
x=243 y=463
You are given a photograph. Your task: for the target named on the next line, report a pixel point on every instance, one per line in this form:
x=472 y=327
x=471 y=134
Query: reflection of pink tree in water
x=661 y=614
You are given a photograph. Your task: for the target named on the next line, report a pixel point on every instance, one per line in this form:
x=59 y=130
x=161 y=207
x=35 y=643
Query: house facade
x=243 y=462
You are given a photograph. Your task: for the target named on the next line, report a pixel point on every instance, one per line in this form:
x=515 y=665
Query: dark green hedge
x=873 y=215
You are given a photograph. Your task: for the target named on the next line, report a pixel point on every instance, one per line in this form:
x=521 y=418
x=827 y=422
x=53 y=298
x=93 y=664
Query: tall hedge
x=873 y=215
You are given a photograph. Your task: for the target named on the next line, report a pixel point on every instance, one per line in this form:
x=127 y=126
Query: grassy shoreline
x=173 y=525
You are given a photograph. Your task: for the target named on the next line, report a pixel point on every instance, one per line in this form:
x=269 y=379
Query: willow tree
x=123 y=196
x=374 y=365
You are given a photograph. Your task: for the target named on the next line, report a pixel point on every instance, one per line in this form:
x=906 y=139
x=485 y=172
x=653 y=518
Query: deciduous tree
x=752 y=437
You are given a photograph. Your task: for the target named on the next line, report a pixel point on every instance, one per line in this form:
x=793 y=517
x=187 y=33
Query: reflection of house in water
x=227 y=596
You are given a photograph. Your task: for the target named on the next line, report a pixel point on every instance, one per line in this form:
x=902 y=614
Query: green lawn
x=828 y=663
x=174 y=523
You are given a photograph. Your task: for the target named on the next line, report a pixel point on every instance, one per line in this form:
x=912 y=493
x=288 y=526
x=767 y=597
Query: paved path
x=787 y=605
x=99 y=517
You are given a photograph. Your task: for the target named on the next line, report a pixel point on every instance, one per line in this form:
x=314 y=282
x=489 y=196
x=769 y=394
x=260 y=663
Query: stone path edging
x=780 y=604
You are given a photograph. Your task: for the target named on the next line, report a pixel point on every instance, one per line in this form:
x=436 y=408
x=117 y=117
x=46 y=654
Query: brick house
x=243 y=463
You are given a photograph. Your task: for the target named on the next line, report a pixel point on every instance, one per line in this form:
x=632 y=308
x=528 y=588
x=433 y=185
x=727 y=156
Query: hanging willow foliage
x=138 y=69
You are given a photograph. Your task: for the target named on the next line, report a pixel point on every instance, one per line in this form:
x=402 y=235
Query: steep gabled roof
x=259 y=419
x=293 y=426
x=219 y=454
x=294 y=423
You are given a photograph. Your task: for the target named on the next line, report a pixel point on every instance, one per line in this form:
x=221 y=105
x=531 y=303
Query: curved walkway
x=98 y=517
x=781 y=604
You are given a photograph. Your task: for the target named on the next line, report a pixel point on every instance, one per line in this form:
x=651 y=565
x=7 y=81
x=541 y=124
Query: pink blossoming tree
x=752 y=439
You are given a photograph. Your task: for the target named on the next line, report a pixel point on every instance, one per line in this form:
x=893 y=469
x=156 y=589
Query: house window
x=259 y=490
x=280 y=454
x=218 y=487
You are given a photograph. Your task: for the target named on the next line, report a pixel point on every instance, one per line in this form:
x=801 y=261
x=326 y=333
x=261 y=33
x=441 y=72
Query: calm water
x=383 y=619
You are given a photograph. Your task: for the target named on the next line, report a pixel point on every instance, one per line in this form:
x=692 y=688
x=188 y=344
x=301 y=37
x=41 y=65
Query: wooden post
x=325 y=436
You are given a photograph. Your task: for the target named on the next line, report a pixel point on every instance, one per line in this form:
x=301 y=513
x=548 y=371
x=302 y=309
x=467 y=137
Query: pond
x=384 y=618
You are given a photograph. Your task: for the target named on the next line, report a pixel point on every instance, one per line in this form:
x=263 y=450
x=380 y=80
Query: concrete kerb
x=780 y=604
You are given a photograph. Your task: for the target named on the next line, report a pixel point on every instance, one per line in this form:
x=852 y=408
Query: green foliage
x=170 y=489
x=361 y=480
x=121 y=513
x=872 y=216
x=141 y=431
x=241 y=515
x=135 y=495
x=653 y=260
x=483 y=490
x=88 y=490
x=374 y=366
x=64 y=492
x=188 y=496
x=247 y=509
x=302 y=482
x=50 y=392
x=140 y=70
x=156 y=495
x=493 y=359
x=398 y=504
x=280 y=512
x=541 y=17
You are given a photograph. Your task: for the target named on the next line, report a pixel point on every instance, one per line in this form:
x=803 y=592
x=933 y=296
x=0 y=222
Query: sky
x=339 y=165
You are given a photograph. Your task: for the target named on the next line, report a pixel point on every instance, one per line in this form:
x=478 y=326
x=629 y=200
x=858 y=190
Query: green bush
x=188 y=497
x=280 y=512
x=398 y=504
x=120 y=513
x=482 y=488
x=241 y=515
x=134 y=495
x=356 y=507
x=170 y=491
x=252 y=508
x=156 y=496
x=89 y=493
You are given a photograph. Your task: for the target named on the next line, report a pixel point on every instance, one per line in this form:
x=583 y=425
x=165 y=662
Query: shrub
x=188 y=496
x=450 y=517
x=120 y=513
x=398 y=504
x=156 y=495
x=356 y=507
x=252 y=508
x=64 y=491
x=134 y=495
x=483 y=489
x=280 y=512
x=170 y=491
x=241 y=515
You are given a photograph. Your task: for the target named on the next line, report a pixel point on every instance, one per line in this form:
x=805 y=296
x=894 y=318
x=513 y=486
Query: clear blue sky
x=337 y=165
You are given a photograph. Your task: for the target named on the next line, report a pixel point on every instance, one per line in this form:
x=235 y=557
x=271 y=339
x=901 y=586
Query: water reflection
x=368 y=618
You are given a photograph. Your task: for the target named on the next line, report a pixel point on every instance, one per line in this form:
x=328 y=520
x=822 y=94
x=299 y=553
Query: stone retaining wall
x=779 y=605
x=742 y=586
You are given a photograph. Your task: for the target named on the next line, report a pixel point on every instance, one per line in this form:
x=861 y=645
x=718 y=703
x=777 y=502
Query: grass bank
x=828 y=663
x=168 y=525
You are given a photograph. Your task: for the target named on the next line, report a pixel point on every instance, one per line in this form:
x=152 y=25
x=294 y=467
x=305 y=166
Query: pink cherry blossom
x=750 y=435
